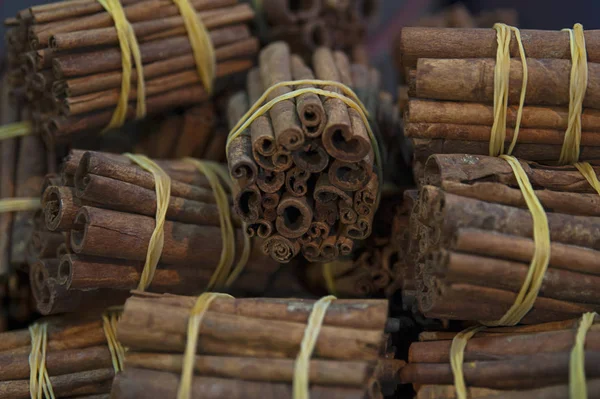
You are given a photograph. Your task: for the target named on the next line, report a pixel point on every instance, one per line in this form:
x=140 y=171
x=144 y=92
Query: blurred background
x=394 y=14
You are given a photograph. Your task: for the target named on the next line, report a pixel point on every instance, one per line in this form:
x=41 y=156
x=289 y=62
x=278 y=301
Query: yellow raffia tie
x=307 y=346
x=541 y=256
x=19 y=204
x=577 y=383
x=17 y=129
x=348 y=97
x=109 y=325
x=162 y=184
x=457 y=356
x=39 y=380
x=501 y=89
x=588 y=172
x=224 y=275
x=129 y=46
x=328 y=277
x=531 y=286
x=204 y=52
x=196 y=315
x=569 y=153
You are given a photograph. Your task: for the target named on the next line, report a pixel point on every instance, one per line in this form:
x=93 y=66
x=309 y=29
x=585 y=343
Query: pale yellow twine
x=300 y=384
x=162 y=184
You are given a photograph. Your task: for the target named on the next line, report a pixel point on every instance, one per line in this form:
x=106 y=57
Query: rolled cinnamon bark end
x=350 y=176
x=346 y=245
x=347 y=214
x=319 y=230
x=296 y=181
x=60 y=207
x=326 y=212
x=263 y=139
x=311 y=157
x=270 y=182
x=241 y=164
x=326 y=192
x=309 y=106
x=311 y=251
x=359 y=230
x=282 y=160
x=270 y=200
x=262 y=228
x=247 y=203
x=280 y=248
x=294 y=216
x=314 y=35
x=329 y=249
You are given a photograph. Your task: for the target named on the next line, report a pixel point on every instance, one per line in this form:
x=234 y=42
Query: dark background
x=533 y=14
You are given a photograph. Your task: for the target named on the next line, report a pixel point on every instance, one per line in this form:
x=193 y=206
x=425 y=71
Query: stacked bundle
x=106 y=206
x=474 y=244
x=309 y=24
x=246 y=348
x=23 y=164
x=78 y=361
x=375 y=268
x=67 y=58
x=452 y=81
x=508 y=363
x=306 y=173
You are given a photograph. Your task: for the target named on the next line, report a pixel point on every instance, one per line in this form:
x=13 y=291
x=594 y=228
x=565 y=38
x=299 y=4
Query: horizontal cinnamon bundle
x=108 y=216
x=309 y=24
x=246 y=348
x=505 y=364
x=305 y=172
x=471 y=240
x=67 y=60
x=450 y=95
x=78 y=359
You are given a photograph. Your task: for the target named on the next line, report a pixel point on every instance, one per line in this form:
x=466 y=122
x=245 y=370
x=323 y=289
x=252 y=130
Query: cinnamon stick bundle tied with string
x=68 y=60
x=247 y=347
x=370 y=269
x=541 y=116
x=78 y=359
x=108 y=217
x=309 y=160
x=308 y=24
x=470 y=234
x=514 y=362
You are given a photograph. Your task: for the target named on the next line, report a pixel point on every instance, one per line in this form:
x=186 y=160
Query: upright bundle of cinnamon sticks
x=66 y=57
x=305 y=172
x=509 y=363
x=471 y=240
x=308 y=24
x=105 y=206
x=78 y=360
x=247 y=347
x=375 y=268
x=451 y=89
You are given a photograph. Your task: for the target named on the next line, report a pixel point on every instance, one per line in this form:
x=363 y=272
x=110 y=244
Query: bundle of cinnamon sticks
x=103 y=214
x=451 y=90
x=308 y=24
x=78 y=360
x=247 y=347
x=305 y=172
x=23 y=164
x=66 y=58
x=191 y=132
x=509 y=362
x=374 y=269
x=470 y=234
